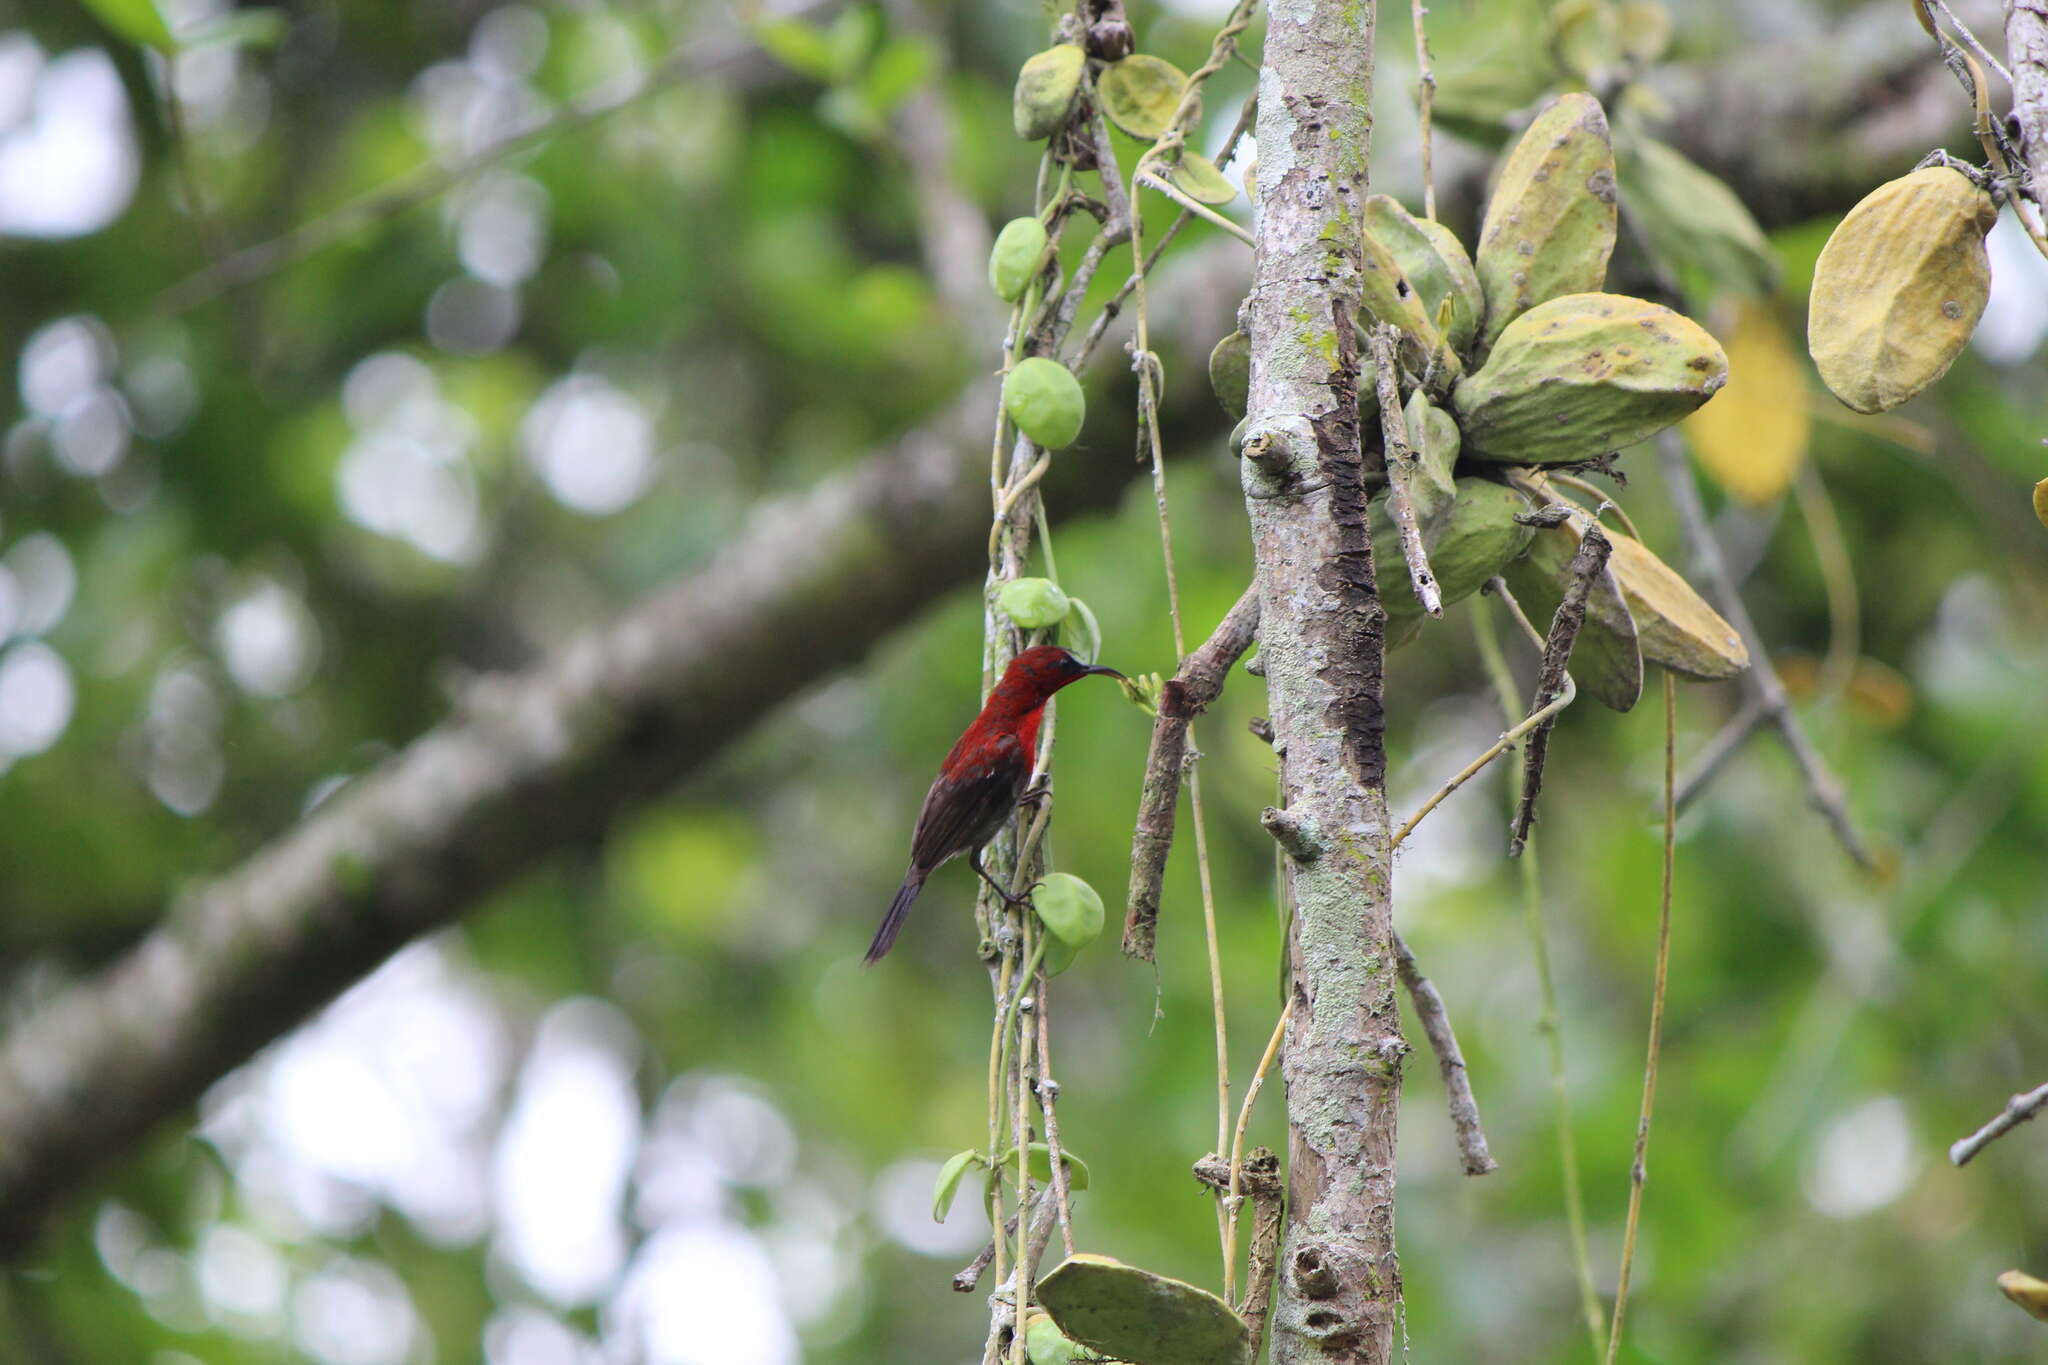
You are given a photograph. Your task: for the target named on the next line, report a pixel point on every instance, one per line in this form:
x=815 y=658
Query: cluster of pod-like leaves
x=1514 y=362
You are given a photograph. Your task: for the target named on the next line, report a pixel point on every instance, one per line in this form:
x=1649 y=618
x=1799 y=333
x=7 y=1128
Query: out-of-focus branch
x=531 y=764
x=2017 y=1111
x=1823 y=789
x=431 y=179
x=1805 y=128
x=1199 y=682
x=951 y=231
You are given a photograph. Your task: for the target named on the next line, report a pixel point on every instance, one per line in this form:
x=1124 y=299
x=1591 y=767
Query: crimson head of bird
x=1045 y=670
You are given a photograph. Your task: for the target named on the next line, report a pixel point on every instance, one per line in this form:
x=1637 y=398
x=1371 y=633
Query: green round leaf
x=1032 y=602
x=948 y=1183
x=1044 y=399
x=1230 y=373
x=1046 y=86
x=1038 y=1160
x=1197 y=177
x=1015 y=258
x=1140 y=94
x=1069 y=909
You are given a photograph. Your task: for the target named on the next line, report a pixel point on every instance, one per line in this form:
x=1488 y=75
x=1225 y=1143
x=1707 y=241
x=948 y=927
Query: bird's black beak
x=1104 y=671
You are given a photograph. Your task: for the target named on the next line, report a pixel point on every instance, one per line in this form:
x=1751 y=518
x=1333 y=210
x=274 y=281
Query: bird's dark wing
x=968 y=803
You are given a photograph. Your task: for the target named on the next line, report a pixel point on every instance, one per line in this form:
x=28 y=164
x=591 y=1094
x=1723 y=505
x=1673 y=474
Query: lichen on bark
x=1322 y=640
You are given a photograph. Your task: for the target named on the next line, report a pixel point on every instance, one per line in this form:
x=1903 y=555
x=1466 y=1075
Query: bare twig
x=1725 y=744
x=1400 y=459
x=1048 y=1105
x=1436 y=1026
x=1425 y=91
x=1588 y=563
x=2017 y=1111
x=1823 y=789
x=1541 y=716
x=969 y=1275
x=1269 y=1205
x=1199 y=682
x=1970 y=39
x=1233 y=1193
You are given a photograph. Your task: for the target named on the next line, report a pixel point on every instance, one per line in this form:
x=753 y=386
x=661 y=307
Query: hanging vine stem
x=1093 y=337
x=1638 y=1172
x=1233 y=1200
x=1149 y=373
x=1425 y=90
x=1550 y=1022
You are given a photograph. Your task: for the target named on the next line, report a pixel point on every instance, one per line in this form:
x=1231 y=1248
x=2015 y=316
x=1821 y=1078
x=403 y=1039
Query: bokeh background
x=643 y=1105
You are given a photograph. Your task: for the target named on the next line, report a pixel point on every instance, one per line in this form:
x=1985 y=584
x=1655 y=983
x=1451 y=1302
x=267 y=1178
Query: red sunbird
x=982 y=780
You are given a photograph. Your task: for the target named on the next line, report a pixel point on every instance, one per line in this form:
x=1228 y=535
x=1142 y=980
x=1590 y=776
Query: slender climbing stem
x=1638 y=1173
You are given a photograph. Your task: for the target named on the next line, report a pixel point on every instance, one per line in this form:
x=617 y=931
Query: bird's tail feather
x=899 y=910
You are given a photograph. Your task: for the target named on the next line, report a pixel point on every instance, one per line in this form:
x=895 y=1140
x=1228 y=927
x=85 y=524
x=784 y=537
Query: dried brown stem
x=1450 y=1061
x=1401 y=471
x=1199 y=682
x=1587 y=565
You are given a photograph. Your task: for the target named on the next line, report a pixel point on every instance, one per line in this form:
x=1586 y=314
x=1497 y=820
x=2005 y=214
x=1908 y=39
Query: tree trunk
x=1322 y=640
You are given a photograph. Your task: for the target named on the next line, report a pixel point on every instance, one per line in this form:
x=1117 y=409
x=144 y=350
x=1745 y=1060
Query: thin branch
x=1189 y=204
x=1425 y=90
x=1048 y=1105
x=1970 y=39
x=1823 y=789
x=1725 y=744
x=1543 y=715
x=2017 y=1111
x=1233 y=1192
x=1450 y=1061
x=1199 y=682
x=1589 y=562
x=1401 y=463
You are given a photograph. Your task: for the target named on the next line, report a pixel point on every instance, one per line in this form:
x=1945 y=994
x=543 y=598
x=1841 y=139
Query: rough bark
x=531 y=765
x=1322 y=638
x=2026 y=42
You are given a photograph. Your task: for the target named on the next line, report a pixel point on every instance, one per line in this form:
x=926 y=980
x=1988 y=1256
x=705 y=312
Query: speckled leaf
x=1196 y=177
x=1140 y=93
x=1674 y=624
x=1137 y=1316
x=1550 y=224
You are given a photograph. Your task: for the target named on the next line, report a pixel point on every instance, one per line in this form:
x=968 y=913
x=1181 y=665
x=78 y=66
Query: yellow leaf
x=1751 y=436
x=2041 y=501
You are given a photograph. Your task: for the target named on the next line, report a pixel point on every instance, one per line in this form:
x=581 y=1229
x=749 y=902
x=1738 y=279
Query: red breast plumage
x=982 y=778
